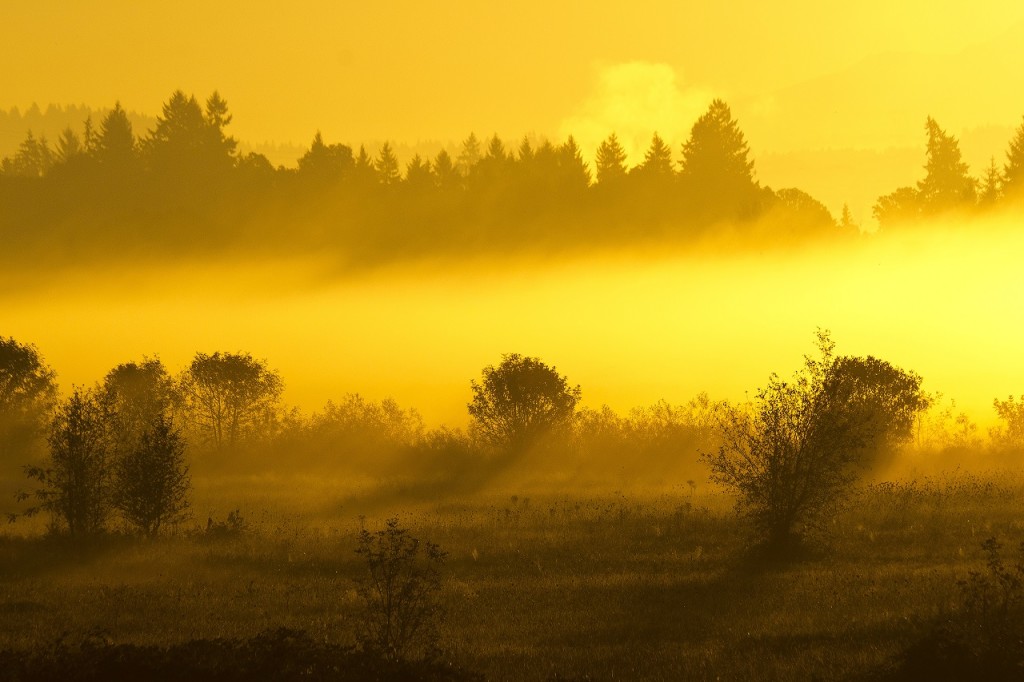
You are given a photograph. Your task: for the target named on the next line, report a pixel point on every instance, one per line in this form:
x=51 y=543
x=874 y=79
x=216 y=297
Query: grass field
x=659 y=586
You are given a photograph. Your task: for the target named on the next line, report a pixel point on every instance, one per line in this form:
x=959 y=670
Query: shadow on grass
x=280 y=655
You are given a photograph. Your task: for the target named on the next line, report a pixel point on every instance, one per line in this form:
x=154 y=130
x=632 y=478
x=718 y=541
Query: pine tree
x=447 y=174
x=610 y=161
x=470 y=154
x=573 y=170
x=387 y=166
x=218 y=118
x=717 y=173
x=69 y=147
x=991 y=185
x=657 y=161
x=525 y=153
x=1013 y=171
x=846 y=222
x=115 y=144
x=947 y=184
x=418 y=174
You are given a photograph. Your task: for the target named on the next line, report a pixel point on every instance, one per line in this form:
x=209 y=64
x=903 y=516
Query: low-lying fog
x=944 y=301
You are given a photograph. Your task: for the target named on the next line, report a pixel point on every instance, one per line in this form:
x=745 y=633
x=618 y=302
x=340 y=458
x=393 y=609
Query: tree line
x=106 y=184
x=948 y=186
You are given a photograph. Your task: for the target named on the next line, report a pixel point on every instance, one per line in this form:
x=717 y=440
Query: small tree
x=228 y=396
x=400 y=592
x=796 y=451
x=76 y=487
x=1008 y=435
x=134 y=395
x=27 y=396
x=520 y=400
x=152 y=479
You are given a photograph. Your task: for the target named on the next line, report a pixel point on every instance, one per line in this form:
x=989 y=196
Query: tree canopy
x=520 y=400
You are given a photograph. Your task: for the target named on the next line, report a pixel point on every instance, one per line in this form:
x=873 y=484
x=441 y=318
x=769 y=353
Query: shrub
x=795 y=453
x=400 y=592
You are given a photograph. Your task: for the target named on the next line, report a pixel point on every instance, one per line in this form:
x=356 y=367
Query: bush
x=795 y=452
x=400 y=593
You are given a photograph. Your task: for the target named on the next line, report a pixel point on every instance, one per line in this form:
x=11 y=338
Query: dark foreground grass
x=603 y=587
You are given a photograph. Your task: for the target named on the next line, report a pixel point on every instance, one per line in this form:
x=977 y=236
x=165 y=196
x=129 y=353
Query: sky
x=408 y=70
x=830 y=96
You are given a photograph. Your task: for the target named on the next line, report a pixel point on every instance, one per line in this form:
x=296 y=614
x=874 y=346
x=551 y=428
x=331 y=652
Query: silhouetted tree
x=418 y=175
x=115 y=144
x=519 y=401
x=903 y=205
x=716 y=171
x=33 y=159
x=657 y=163
x=574 y=172
x=470 y=155
x=134 y=395
x=364 y=171
x=610 y=161
x=846 y=222
x=27 y=395
x=324 y=163
x=76 y=481
x=69 y=147
x=387 y=167
x=218 y=118
x=802 y=214
x=798 y=449
x=185 y=143
x=1013 y=171
x=991 y=185
x=152 y=479
x=447 y=174
x=946 y=184
x=525 y=151
x=229 y=396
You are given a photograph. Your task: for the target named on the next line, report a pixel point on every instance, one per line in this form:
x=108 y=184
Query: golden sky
x=800 y=74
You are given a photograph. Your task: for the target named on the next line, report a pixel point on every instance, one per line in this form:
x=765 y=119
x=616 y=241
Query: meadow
x=642 y=584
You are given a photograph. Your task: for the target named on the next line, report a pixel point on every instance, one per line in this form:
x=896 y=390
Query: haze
x=630 y=329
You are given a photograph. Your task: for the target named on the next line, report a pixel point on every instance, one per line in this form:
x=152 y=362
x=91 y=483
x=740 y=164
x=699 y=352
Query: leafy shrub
x=400 y=592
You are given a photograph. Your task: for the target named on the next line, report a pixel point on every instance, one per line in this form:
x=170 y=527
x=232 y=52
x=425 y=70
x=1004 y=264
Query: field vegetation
x=570 y=543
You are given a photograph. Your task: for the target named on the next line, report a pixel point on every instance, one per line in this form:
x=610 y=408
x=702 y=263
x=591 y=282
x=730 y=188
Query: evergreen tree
x=470 y=154
x=1013 y=171
x=185 y=142
x=69 y=147
x=846 y=222
x=657 y=161
x=218 y=118
x=115 y=144
x=991 y=185
x=445 y=172
x=33 y=159
x=610 y=161
x=946 y=184
x=574 y=173
x=716 y=170
x=387 y=166
x=525 y=152
x=364 y=171
x=326 y=163
x=418 y=174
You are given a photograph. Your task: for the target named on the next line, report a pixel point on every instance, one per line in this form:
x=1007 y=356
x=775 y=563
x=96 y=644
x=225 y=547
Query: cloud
x=635 y=100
